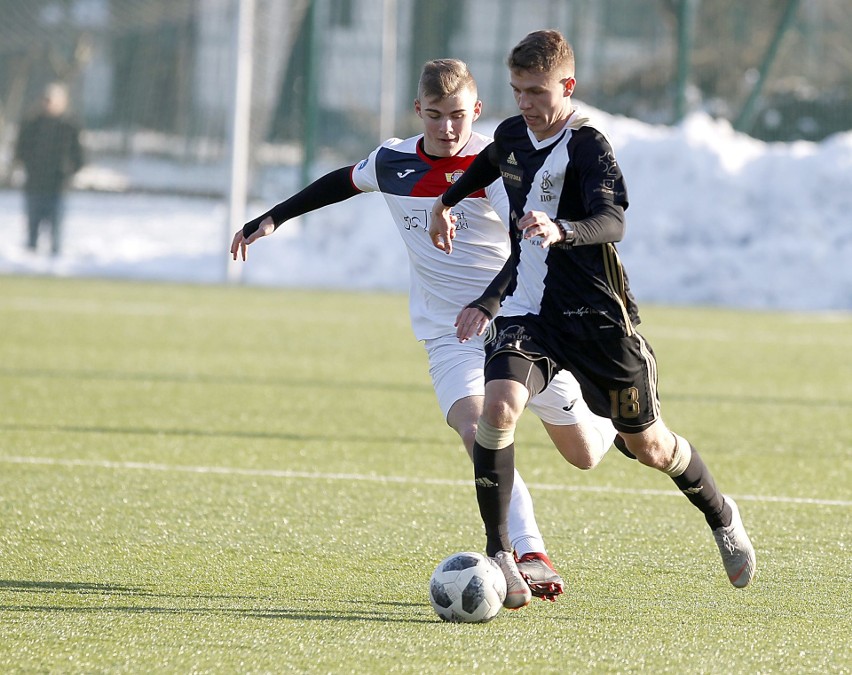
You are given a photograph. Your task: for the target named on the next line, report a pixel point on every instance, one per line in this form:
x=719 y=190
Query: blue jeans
x=45 y=208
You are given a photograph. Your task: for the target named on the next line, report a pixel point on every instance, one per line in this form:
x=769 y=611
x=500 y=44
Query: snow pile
x=715 y=218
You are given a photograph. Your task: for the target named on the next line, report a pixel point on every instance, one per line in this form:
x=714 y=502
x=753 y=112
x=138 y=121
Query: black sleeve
x=334 y=187
x=491 y=298
x=607 y=225
x=601 y=191
x=482 y=171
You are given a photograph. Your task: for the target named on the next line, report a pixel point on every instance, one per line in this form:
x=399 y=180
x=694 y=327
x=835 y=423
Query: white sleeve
x=364 y=174
x=499 y=200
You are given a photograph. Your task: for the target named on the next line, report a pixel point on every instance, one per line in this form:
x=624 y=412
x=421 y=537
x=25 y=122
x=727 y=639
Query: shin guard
x=693 y=478
x=494 y=474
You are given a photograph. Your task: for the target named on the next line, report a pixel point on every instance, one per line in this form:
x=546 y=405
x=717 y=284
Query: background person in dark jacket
x=49 y=148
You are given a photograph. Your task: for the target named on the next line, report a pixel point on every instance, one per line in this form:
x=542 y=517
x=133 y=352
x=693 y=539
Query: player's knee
x=590 y=453
x=651 y=456
x=655 y=450
x=586 y=461
x=580 y=445
x=500 y=413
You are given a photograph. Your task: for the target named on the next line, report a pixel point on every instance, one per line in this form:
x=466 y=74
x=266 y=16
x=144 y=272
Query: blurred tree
x=434 y=26
x=289 y=118
x=38 y=44
x=149 y=43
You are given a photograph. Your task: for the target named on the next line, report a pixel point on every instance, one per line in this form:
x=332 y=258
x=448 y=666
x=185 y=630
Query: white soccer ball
x=468 y=588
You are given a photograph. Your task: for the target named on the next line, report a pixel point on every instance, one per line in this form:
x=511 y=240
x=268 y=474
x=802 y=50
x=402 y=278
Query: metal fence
x=332 y=78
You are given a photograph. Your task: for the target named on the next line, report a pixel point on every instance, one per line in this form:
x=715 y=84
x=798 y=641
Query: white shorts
x=457 y=372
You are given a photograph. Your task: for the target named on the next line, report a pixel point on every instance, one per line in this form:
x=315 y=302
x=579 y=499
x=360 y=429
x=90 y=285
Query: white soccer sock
x=523 y=529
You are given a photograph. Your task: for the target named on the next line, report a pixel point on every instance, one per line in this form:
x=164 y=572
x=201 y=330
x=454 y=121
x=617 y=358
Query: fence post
x=387 y=116
x=685 y=38
x=240 y=123
x=311 y=97
x=745 y=121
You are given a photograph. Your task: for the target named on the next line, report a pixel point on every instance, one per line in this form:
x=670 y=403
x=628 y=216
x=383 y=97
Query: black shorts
x=618 y=377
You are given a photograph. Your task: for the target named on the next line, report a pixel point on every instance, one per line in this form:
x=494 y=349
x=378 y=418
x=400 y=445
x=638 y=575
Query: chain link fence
x=331 y=78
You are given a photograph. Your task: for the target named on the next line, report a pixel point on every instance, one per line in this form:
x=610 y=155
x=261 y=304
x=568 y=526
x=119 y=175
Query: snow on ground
x=715 y=218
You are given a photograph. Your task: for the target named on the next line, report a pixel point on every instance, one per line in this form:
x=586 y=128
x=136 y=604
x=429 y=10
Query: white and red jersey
x=410 y=181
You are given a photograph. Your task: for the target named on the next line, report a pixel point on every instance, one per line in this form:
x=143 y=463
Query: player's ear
x=477 y=110
x=569 y=83
x=417 y=107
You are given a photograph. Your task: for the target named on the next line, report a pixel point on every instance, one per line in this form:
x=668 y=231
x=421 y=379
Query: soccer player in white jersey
x=569 y=305
x=410 y=174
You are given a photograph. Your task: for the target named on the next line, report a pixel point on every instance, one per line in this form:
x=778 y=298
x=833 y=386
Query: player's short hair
x=442 y=78
x=543 y=51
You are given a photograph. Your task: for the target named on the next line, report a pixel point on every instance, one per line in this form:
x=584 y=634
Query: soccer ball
x=468 y=588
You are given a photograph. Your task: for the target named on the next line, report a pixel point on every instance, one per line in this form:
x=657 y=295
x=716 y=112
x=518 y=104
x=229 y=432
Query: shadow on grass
x=82 y=588
x=65 y=586
x=225 y=433
x=201 y=378
x=362 y=610
x=338 y=385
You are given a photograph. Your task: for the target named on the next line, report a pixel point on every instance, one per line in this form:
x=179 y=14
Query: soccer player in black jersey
x=410 y=173
x=566 y=303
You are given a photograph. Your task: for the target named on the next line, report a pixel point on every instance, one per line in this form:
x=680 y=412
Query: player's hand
x=240 y=242
x=539 y=224
x=471 y=321
x=442 y=229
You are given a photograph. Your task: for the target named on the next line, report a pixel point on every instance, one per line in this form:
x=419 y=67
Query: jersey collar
x=551 y=140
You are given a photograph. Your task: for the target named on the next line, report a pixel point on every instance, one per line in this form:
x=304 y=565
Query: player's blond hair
x=442 y=78
x=543 y=51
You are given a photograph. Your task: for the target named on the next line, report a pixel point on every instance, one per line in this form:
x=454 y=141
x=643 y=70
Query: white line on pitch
x=352 y=477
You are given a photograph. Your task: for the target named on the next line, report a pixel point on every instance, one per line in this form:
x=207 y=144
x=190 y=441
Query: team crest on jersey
x=546 y=184
x=454 y=176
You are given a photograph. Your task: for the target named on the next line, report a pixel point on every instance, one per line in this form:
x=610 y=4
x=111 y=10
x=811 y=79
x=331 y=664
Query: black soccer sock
x=697 y=483
x=494 y=476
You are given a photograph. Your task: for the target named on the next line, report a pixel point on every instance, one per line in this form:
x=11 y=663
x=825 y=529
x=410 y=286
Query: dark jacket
x=49 y=148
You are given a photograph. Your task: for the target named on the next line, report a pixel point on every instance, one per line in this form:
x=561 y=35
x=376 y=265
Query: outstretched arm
x=332 y=188
x=240 y=242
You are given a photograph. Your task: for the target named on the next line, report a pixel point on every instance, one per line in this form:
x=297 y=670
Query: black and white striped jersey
x=572 y=176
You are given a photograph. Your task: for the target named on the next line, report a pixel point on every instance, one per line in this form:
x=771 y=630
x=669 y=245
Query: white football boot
x=518 y=593
x=736 y=549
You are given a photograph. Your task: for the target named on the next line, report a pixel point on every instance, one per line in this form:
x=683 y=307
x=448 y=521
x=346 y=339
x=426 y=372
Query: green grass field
x=210 y=479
